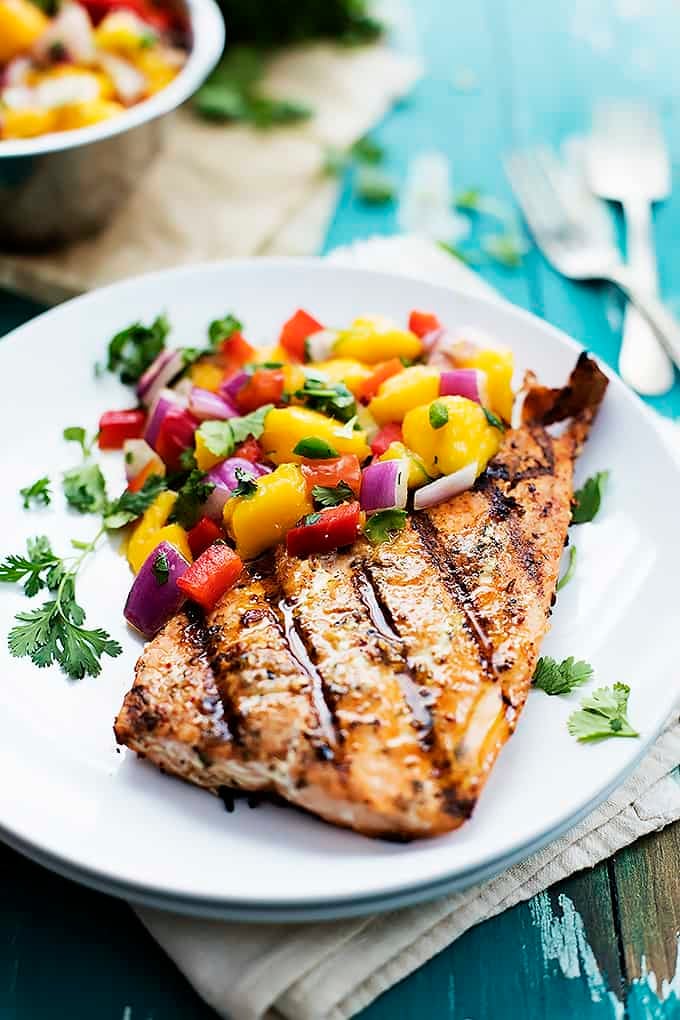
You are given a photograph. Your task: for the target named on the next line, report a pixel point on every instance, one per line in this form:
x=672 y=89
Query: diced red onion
x=160 y=407
x=320 y=344
x=150 y=604
x=431 y=339
x=232 y=385
x=137 y=454
x=384 y=485
x=72 y=30
x=445 y=488
x=129 y=83
x=208 y=406
x=162 y=371
x=464 y=382
x=223 y=477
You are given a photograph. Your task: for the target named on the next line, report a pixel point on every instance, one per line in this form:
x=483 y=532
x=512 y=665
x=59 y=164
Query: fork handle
x=643 y=363
x=651 y=308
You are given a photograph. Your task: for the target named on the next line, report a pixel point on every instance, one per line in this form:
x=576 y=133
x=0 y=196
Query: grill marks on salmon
x=375 y=687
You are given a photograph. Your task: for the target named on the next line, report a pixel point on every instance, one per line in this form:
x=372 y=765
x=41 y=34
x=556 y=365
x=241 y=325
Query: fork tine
x=527 y=182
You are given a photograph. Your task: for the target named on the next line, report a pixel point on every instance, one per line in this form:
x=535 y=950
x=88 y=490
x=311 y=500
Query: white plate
x=69 y=799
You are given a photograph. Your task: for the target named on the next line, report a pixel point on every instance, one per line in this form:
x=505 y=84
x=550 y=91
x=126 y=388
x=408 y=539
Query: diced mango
x=80 y=115
x=467 y=436
x=21 y=24
x=206 y=375
x=27 y=122
x=157 y=71
x=499 y=366
x=259 y=521
x=373 y=339
x=205 y=459
x=404 y=391
x=122 y=32
x=153 y=529
x=104 y=83
x=284 y=428
x=294 y=378
x=417 y=475
x=347 y=370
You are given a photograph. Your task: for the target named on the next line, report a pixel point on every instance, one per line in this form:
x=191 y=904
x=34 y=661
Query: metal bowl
x=63 y=186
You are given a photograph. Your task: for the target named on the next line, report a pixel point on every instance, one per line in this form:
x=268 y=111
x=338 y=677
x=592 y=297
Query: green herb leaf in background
x=37 y=494
x=373 y=185
x=588 y=499
x=569 y=572
x=555 y=677
x=85 y=488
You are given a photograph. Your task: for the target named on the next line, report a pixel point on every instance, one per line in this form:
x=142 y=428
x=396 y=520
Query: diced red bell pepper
x=331 y=472
x=265 y=386
x=390 y=433
x=236 y=351
x=213 y=573
x=160 y=19
x=175 y=435
x=250 y=450
x=369 y=387
x=331 y=529
x=202 y=536
x=154 y=467
x=295 y=332
x=117 y=426
x=421 y=323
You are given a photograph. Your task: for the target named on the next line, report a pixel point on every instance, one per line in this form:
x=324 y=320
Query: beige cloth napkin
x=330 y=970
x=218 y=191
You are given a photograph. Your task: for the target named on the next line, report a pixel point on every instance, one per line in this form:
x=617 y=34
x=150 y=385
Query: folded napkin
x=224 y=190
x=330 y=970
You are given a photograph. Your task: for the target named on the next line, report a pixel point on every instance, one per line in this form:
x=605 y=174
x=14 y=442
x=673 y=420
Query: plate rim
x=342 y=905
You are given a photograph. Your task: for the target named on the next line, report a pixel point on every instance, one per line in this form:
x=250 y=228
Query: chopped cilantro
x=493 y=419
x=131 y=505
x=222 y=437
x=77 y=434
x=133 y=350
x=333 y=399
x=37 y=494
x=192 y=494
x=247 y=483
x=85 y=488
x=588 y=498
x=222 y=329
x=555 y=677
x=384 y=524
x=569 y=572
x=311 y=518
x=161 y=568
x=326 y=496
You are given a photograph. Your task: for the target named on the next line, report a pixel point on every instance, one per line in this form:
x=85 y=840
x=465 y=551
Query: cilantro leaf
x=161 y=568
x=569 y=572
x=326 y=496
x=131 y=505
x=85 y=488
x=493 y=419
x=37 y=494
x=247 y=483
x=333 y=399
x=315 y=449
x=40 y=568
x=506 y=249
x=438 y=414
x=190 y=498
x=47 y=635
x=311 y=518
x=602 y=714
x=132 y=350
x=77 y=434
x=366 y=150
x=384 y=524
x=555 y=677
x=222 y=329
x=588 y=498
x=250 y=424
x=231 y=93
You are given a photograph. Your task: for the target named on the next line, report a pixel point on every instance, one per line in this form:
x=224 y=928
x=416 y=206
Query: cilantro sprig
x=222 y=437
x=602 y=714
x=332 y=399
x=247 y=483
x=191 y=496
x=326 y=496
x=384 y=525
x=54 y=632
x=132 y=350
x=555 y=677
x=36 y=494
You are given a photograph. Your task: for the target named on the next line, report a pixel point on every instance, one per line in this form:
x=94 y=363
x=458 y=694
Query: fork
x=574 y=231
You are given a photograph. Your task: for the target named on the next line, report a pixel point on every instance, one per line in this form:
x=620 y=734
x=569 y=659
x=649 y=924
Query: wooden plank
x=647 y=883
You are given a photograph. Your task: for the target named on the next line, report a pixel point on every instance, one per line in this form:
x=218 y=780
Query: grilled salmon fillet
x=376 y=686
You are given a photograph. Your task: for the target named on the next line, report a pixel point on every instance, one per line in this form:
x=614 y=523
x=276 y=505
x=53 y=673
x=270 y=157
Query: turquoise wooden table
x=603 y=943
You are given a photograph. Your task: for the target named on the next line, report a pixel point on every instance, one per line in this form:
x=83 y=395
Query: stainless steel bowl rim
x=208 y=41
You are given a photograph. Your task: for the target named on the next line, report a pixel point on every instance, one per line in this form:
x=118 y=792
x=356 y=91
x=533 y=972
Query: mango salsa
x=499 y=365
x=285 y=427
x=400 y=393
x=152 y=529
x=259 y=521
x=466 y=436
